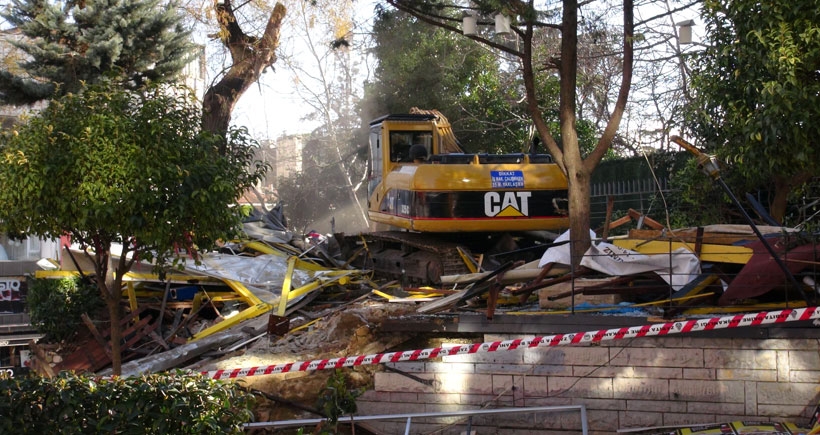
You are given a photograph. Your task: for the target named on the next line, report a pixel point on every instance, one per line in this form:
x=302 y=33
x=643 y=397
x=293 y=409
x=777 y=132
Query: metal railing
x=409 y=417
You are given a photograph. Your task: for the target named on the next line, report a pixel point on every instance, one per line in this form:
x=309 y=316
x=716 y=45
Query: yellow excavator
x=430 y=202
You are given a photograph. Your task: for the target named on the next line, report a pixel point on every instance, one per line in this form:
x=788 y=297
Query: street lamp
x=685 y=31
x=469 y=25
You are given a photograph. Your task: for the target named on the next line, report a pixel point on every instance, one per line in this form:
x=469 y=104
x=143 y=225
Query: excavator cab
x=421 y=180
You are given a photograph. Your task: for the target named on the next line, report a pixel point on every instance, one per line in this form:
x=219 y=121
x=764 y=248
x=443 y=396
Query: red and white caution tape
x=655 y=329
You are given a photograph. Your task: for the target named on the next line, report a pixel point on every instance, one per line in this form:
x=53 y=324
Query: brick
x=628 y=372
x=637 y=405
x=514 y=369
x=477 y=399
x=707 y=391
x=740 y=359
x=750 y=405
x=551 y=370
x=449 y=367
x=698 y=407
x=804 y=376
x=379 y=408
x=689 y=419
x=409 y=366
x=783 y=393
x=603 y=420
x=640 y=388
x=783 y=366
x=375 y=396
x=696 y=342
x=464 y=383
x=503 y=357
x=747 y=375
x=405 y=398
x=439 y=397
x=503 y=384
x=385 y=381
x=776 y=344
x=658 y=358
x=580 y=387
x=580 y=355
x=550 y=401
x=628 y=419
x=783 y=412
x=804 y=360
x=699 y=374
x=534 y=386
x=607 y=404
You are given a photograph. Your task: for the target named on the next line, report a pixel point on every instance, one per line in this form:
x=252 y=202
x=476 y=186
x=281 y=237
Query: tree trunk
x=250 y=57
x=106 y=285
x=782 y=188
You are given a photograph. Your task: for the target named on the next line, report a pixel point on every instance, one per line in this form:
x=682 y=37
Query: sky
x=271 y=108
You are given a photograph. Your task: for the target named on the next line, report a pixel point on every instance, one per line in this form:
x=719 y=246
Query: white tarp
x=677 y=268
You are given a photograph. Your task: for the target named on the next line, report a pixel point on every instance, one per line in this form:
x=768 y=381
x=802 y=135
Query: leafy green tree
x=56 y=305
x=114 y=167
x=158 y=404
x=527 y=19
x=430 y=68
x=756 y=89
x=67 y=44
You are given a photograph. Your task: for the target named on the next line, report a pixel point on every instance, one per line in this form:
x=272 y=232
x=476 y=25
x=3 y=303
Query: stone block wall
x=642 y=382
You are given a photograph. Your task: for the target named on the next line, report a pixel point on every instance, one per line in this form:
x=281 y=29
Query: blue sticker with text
x=507 y=179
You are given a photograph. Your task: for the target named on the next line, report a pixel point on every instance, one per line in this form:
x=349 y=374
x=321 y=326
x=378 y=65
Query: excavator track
x=410 y=257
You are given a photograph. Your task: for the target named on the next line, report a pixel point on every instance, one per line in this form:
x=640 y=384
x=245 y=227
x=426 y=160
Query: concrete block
x=399 y=397
x=804 y=360
x=689 y=419
x=448 y=367
x=508 y=369
x=535 y=386
x=567 y=355
x=580 y=387
x=783 y=393
x=750 y=405
x=653 y=357
x=707 y=391
x=699 y=374
x=638 y=405
x=628 y=372
x=785 y=412
x=746 y=375
x=630 y=419
x=447 y=398
x=465 y=383
x=394 y=382
x=477 y=400
x=503 y=357
x=640 y=388
x=379 y=408
x=740 y=359
x=606 y=404
x=783 y=366
x=804 y=376
x=409 y=366
x=503 y=384
x=603 y=420
x=703 y=408
x=551 y=370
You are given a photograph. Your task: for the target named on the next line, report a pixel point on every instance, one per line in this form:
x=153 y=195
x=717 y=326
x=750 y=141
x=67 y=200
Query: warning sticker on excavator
x=507 y=179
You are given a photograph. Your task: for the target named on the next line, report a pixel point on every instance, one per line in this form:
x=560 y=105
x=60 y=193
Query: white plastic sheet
x=677 y=268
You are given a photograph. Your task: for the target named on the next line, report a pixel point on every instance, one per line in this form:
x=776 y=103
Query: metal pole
x=708 y=164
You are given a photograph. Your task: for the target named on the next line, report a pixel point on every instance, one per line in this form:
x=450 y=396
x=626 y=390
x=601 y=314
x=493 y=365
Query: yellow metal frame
x=709 y=252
